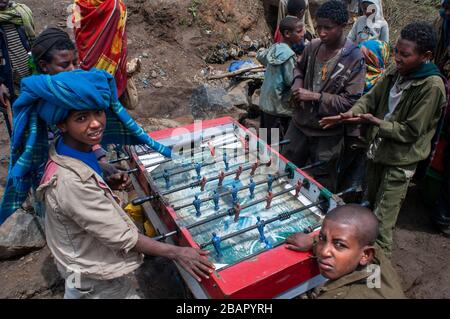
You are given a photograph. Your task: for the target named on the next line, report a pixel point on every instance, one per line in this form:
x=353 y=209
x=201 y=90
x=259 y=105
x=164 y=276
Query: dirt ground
x=172 y=38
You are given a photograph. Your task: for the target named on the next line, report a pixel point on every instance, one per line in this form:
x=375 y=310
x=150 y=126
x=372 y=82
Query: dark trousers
x=352 y=164
x=269 y=122
x=304 y=149
x=442 y=214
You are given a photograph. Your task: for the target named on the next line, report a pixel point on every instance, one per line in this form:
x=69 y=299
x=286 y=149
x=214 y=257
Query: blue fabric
x=46 y=100
x=445 y=23
x=88 y=158
x=298 y=48
x=236 y=65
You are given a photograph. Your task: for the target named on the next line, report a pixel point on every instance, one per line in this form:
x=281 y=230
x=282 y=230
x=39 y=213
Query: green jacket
x=406 y=136
x=356 y=285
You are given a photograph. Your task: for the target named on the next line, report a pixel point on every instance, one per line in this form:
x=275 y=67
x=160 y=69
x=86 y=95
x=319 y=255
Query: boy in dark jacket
x=328 y=80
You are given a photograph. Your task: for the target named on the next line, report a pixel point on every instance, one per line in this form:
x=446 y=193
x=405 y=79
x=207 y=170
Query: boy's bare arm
x=301 y=241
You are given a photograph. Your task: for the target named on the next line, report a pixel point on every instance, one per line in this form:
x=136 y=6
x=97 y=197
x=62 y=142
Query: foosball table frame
x=274 y=273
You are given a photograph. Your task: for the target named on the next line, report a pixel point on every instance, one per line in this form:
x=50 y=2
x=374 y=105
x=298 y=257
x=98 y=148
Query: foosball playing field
x=231 y=194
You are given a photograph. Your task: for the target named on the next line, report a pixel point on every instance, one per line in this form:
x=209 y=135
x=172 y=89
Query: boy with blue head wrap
x=87 y=231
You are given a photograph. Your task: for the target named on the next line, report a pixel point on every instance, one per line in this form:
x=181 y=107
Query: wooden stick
x=260 y=68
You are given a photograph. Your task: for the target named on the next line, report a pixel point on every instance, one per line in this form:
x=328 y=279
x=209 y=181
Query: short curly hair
x=333 y=10
x=295 y=6
x=422 y=34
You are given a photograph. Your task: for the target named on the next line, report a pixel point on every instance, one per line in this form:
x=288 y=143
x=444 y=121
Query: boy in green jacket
x=403 y=111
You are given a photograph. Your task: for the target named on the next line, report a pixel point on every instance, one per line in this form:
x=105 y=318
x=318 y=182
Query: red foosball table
x=232 y=194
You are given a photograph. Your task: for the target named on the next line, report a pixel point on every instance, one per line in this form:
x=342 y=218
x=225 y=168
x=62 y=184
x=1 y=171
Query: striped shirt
x=17 y=53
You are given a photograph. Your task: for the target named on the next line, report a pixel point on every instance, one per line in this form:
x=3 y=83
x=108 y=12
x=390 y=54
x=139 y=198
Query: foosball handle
x=142 y=200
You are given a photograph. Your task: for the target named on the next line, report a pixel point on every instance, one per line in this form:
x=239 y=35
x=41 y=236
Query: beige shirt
x=86 y=228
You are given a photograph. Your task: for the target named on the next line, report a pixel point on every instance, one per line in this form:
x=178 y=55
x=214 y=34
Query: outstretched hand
x=330 y=121
x=195 y=262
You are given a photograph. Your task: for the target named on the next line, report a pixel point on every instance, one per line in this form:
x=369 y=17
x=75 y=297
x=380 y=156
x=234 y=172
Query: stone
x=151 y=124
x=208 y=102
x=255 y=97
x=21 y=233
x=246 y=38
x=158 y=85
x=154 y=74
x=238 y=95
x=133 y=66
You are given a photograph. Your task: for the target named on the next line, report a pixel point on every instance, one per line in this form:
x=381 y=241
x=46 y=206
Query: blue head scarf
x=46 y=100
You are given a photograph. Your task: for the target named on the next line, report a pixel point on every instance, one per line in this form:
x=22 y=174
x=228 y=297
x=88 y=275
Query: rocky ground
x=173 y=40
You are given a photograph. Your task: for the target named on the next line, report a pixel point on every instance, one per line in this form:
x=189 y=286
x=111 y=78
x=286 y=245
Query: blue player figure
x=234 y=194
x=216 y=198
x=197 y=202
x=225 y=161
x=216 y=242
x=198 y=167
x=260 y=224
x=166 y=176
x=269 y=182
x=251 y=188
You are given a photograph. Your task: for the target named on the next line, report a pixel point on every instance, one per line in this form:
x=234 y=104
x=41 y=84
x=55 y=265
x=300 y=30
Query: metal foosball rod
x=166 y=161
x=204 y=180
x=237 y=208
x=279 y=217
x=230 y=212
x=278 y=176
x=193 y=167
x=140 y=201
x=297 y=188
x=287 y=141
x=149 y=165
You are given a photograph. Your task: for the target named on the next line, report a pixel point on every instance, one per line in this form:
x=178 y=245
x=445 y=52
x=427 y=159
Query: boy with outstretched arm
x=402 y=112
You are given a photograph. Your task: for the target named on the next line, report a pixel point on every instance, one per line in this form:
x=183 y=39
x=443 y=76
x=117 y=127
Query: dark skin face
x=83 y=129
x=62 y=60
x=3 y=4
x=330 y=33
x=339 y=251
x=408 y=58
x=293 y=37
